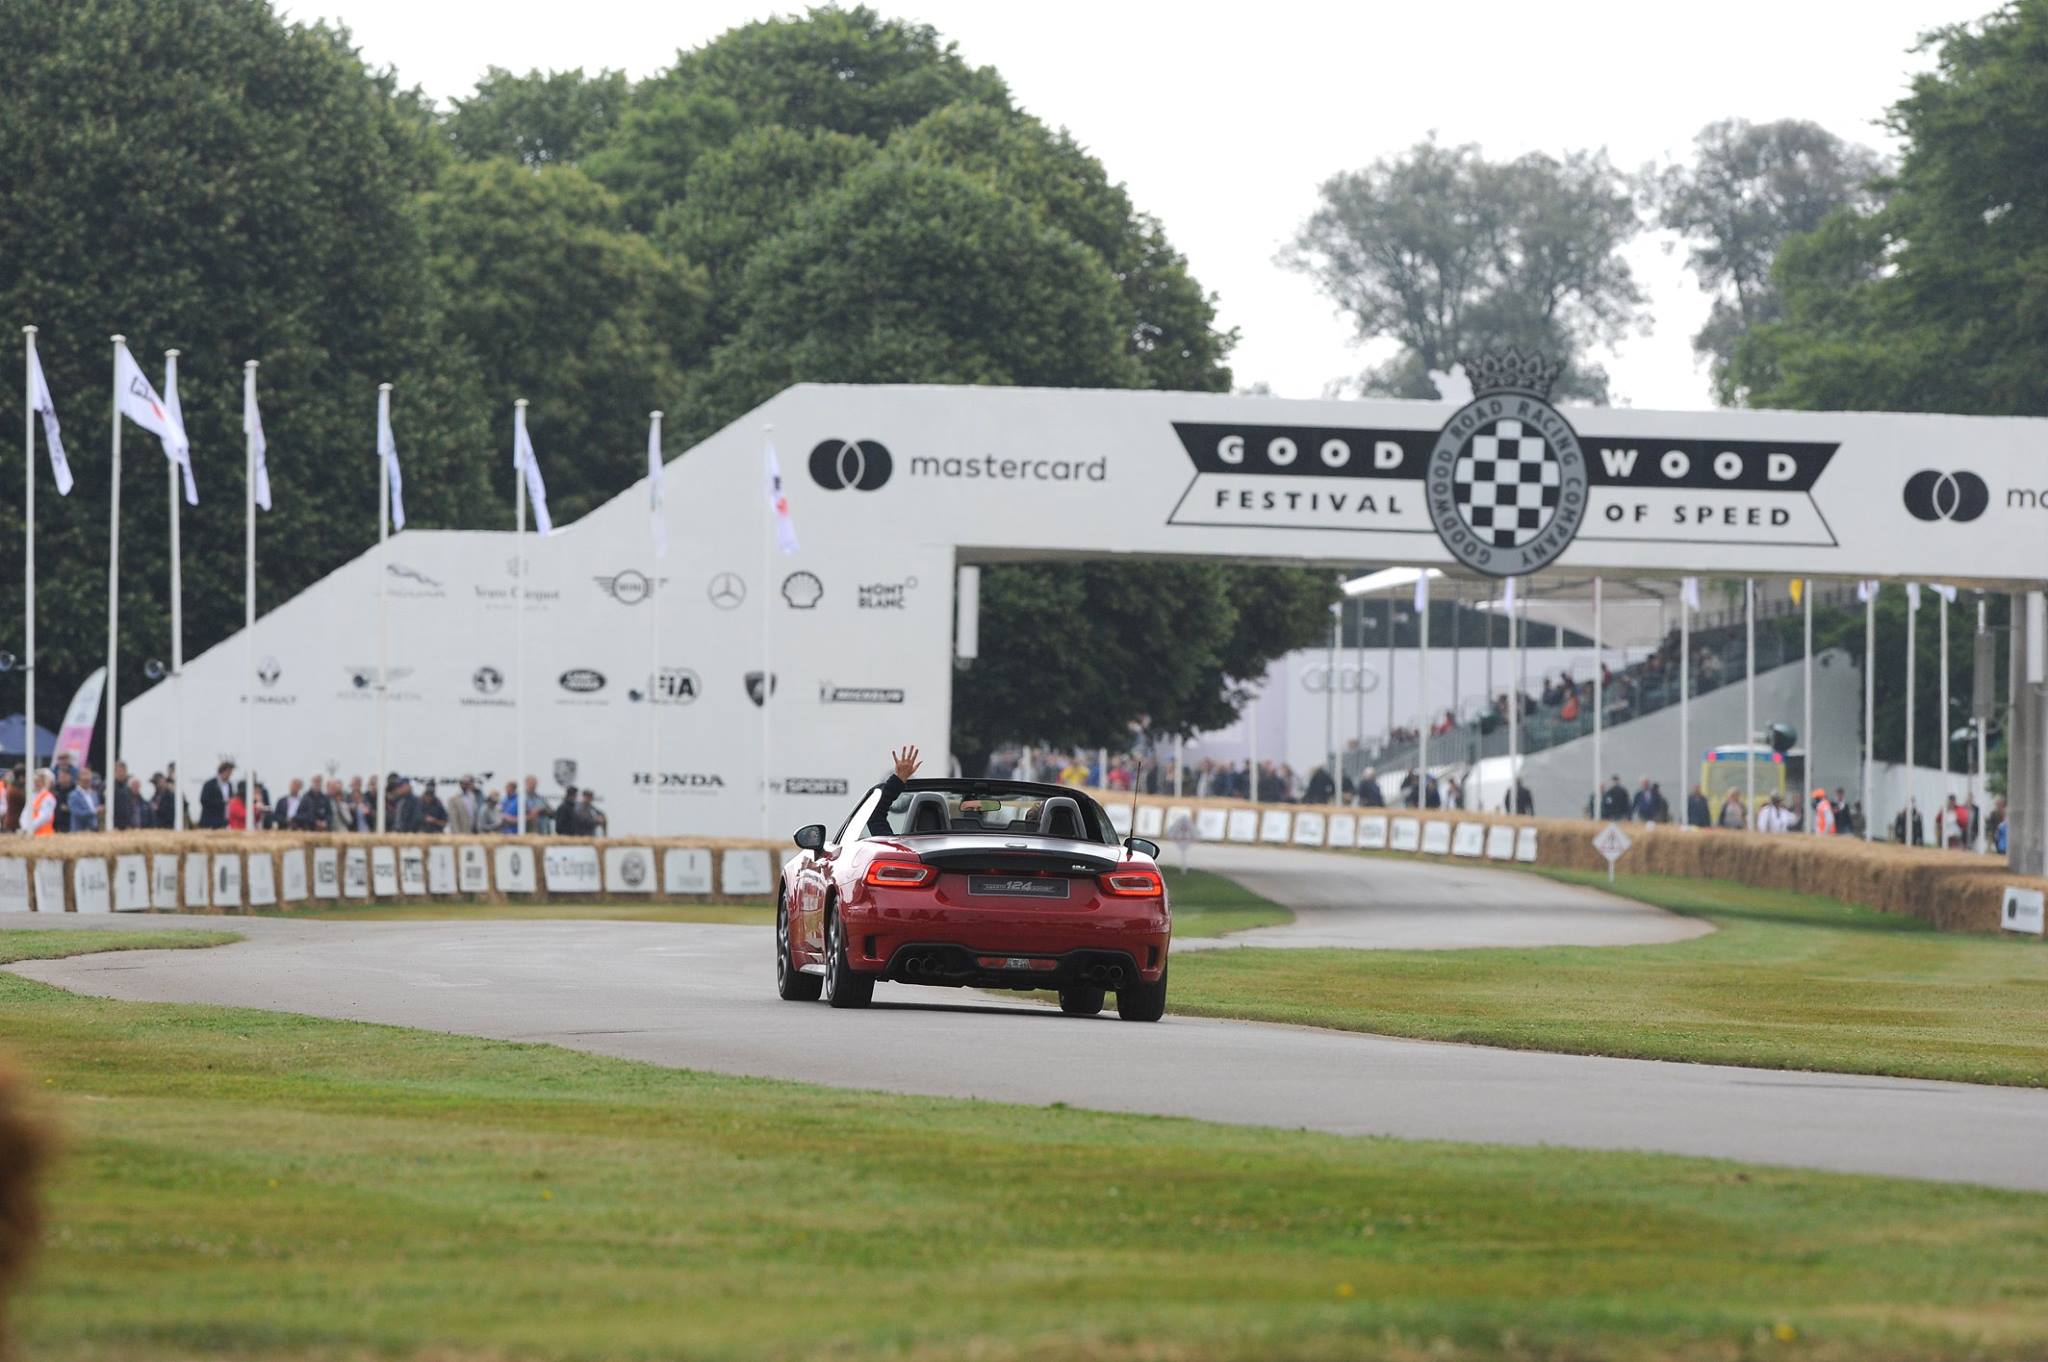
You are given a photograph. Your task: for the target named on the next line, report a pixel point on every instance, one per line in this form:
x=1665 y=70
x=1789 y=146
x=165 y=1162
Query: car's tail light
x=902 y=875
x=1133 y=884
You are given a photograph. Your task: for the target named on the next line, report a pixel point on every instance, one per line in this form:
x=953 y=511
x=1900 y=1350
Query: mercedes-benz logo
x=861 y=464
x=727 y=591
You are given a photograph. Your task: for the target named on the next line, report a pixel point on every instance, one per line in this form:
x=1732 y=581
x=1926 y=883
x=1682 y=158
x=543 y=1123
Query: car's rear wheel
x=1081 y=1000
x=1141 y=1001
x=791 y=984
x=844 y=987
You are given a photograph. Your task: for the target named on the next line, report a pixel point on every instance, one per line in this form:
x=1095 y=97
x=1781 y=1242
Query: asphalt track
x=700 y=996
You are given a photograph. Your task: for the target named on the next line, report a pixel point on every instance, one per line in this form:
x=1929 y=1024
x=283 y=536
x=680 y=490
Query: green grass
x=1788 y=981
x=1207 y=904
x=623 y=911
x=48 y=944
x=258 y=1185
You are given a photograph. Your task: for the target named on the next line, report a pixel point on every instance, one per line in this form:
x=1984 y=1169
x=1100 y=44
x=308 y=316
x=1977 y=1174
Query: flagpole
x=1942 y=732
x=654 y=672
x=1422 y=689
x=1358 y=623
x=383 y=590
x=114 y=569
x=519 y=613
x=1869 y=697
x=249 y=599
x=1599 y=693
x=1514 y=701
x=28 y=554
x=1978 y=722
x=1685 y=704
x=177 y=614
x=1912 y=641
x=1749 y=700
x=1806 y=600
x=767 y=646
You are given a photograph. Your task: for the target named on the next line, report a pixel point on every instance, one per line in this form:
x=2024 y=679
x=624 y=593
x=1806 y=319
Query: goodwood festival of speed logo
x=1506 y=482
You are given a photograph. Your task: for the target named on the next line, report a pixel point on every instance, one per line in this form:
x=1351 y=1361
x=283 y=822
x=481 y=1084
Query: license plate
x=1016 y=887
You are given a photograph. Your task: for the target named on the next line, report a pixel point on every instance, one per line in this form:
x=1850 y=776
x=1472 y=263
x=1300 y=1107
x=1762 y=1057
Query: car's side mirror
x=1143 y=845
x=811 y=837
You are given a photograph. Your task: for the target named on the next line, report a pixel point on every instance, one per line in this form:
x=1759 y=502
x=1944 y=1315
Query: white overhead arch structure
x=893 y=487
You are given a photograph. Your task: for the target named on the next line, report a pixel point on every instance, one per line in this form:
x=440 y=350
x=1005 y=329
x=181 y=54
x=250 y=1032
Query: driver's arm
x=905 y=766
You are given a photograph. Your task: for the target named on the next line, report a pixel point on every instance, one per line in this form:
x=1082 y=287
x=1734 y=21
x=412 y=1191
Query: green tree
x=562 y=305
x=540 y=118
x=202 y=174
x=1749 y=188
x=1448 y=254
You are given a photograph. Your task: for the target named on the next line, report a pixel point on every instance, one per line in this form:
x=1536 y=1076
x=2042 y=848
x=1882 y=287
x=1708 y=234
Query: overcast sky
x=1223 y=120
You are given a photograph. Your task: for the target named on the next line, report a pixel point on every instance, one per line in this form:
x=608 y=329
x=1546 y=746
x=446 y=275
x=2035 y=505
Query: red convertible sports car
x=974 y=883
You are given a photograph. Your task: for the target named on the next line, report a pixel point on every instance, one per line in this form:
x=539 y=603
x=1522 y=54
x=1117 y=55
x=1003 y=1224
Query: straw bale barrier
x=1953 y=890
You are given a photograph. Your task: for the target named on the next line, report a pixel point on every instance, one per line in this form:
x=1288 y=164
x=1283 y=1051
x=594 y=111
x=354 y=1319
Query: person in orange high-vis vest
x=1823 y=814
x=39 y=819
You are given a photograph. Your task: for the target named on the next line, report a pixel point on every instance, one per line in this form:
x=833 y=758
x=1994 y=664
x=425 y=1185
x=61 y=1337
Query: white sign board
x=1120 y=817
x=1244 y=825
x=628 y=870
x=686 y=870
x=261 y=875
x=1407 y=835
x=1273 y=825
x=1469 y=839
x=1310 y=829
x=326 y=872
x=1151 y=821
x=1176 y=815
x=2022 y=910
x=131 y=884
x=742 y=872
x=1211 y=824
x=514 y=867
x=1500 y=842
x=296 y=884
x=355 y=873
x=1436 y=838
x=384 y=872
x=13 y=884
x=49 y=885
x=1343 y=830
x=1372 y=832
x=1611 y=842
x=412 y=872
x=440 y=869
x=198 y=880
x=163 y=883
x=472 y=869
x=90 y=891
x=1525 y=845
x=571 y=870
x=227 y=880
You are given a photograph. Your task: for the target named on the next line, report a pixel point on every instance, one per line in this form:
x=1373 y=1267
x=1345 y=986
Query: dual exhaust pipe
x=1109 y=976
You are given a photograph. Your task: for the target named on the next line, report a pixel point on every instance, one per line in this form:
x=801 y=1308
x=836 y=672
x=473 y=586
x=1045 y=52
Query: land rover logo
x=1506 y=481
x=582 y=680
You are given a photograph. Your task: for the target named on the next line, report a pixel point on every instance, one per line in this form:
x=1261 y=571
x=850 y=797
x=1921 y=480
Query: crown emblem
x=1512 y=371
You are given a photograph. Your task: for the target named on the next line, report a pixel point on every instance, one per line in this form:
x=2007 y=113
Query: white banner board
x=326 y=872
x=412 y=872
x=1436 y=838
x=513 y=867
x=1273 y=825
x=49 y=875
x=1211 y=825
x=1469 y=839
x=744 y=873
x=131 y=884
x=227 y=879
x=472 y=869
x=686 y=870
x=1244 y=825
x=259 y=874
x=14 y=884
x=440 y=869
x=198 y=880
x=1151 y=821
x=628 y=870
x=1500 y=842
x=1120 y=816
x=163 y=883
x=1525 y=844
x=296 y=882
x=355 y=873
x=1407 y=835
x=2021 y=911
x=1343 y=830
x=1372 y=832
x=384 y=871
x=571 y=870
x=1309 y=829
x=91 y=891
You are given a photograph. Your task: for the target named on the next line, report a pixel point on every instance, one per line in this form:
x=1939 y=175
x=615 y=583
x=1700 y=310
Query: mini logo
x=487 y=680
x=1506 y=482
x=1934 y=495
x=670 y=686
x=269 y=672
x=633 y=870
x=760 y=686
x=802 y=590
x=565 y=771
x=813 y=785
x=887 y=595
x=628 y=587
x=582 y=680
x=860 y=464
x=829 y=694
x=727 y=591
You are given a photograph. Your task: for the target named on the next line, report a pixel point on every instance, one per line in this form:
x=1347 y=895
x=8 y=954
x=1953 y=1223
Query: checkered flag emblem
x=1506 y=484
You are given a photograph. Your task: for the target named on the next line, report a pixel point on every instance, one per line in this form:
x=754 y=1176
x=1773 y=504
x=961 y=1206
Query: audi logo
x=1934 y=495
x=861 y=464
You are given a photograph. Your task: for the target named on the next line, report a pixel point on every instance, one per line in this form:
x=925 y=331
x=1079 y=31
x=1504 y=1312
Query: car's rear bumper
x=949 y=965
x=1001 y=947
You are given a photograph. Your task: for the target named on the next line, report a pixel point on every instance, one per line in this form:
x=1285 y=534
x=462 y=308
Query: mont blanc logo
x=887 y=595
x=829 y=694
x=802 y=590
x=627 y=588
x=727 y=591
x=862 y=465
x=1935 y=495
x=1506 y=483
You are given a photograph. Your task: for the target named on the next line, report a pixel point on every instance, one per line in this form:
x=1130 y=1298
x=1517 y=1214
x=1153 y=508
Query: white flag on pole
x=1422 y=591
x=1507 y=601
x=1689 y=592
x=523 y=459
x=252 y=426
x=778 y=500
x=1947 y=593
x=1866 y=589
x=387 y=450
x=1912 y=595
x=157 y=415
x=657 y=478
x=39 y=398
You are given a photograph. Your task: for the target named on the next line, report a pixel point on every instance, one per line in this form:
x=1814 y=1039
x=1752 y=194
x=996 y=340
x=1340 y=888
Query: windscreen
x=1011 y=812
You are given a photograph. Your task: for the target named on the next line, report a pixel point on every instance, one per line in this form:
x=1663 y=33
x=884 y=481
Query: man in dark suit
x=311 y=813
x=403 y=811
x=214 y=797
